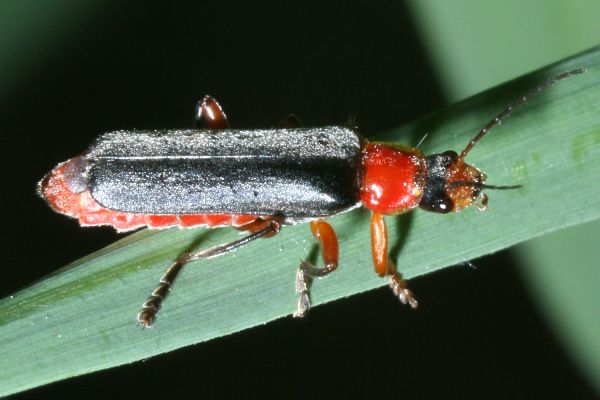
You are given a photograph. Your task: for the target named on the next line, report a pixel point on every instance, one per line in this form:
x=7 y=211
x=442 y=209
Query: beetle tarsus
x=147 y=315
x=302 y=283
x=324 y=233
x=383 y=265
x=305 y=273
x=150 y=308
x=401 y=290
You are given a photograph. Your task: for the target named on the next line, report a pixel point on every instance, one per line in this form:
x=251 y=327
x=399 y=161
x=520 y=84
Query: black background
x=144 y=64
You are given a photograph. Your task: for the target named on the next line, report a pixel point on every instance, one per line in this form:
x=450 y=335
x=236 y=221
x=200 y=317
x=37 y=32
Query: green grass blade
x=569 y=301
x=83 y=318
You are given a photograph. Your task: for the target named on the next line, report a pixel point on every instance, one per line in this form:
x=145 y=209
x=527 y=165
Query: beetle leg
x=325 y=234
x=209 y=112
x=351 y=123
x=290 y=121
x=383 y=265
x=259 y=223
x=150 y=308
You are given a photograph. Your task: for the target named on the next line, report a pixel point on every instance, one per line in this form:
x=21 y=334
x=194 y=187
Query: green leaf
x=569 y=300
x=83 y=318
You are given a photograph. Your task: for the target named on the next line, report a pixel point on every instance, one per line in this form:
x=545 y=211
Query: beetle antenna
x=497 y=120
x=505 y=187
x=483 y=185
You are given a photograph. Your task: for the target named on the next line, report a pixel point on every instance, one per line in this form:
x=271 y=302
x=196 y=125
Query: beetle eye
x=442 y=205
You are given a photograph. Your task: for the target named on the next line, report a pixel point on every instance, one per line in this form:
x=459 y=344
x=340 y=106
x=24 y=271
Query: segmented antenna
x=481 y=185
x=515 y=104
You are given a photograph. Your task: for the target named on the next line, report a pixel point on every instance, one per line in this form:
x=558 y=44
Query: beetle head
x=452 y=184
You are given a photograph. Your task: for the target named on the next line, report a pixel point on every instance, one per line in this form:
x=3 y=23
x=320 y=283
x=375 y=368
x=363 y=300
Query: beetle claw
x=303 y=306
x=302 y=288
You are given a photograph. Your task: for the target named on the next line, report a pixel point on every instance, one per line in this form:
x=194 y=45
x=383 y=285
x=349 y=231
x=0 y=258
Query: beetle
x=259 y=180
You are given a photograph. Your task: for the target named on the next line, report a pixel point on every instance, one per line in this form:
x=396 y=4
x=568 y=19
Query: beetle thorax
x=393 y=178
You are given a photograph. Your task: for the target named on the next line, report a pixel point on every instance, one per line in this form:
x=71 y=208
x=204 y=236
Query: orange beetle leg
x=383 y=265
x=325 y=234
x=209 y=112
x=290 y=121
x=260 y=223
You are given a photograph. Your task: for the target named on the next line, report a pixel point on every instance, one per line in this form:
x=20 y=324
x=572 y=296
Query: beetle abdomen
x=296 y=173
x=65 y=189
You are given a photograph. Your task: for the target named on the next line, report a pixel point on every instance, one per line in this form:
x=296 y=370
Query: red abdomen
x=393 y=177
x=55 y=188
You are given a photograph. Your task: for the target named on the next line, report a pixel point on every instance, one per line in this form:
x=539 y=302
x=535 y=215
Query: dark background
x=144 y=65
